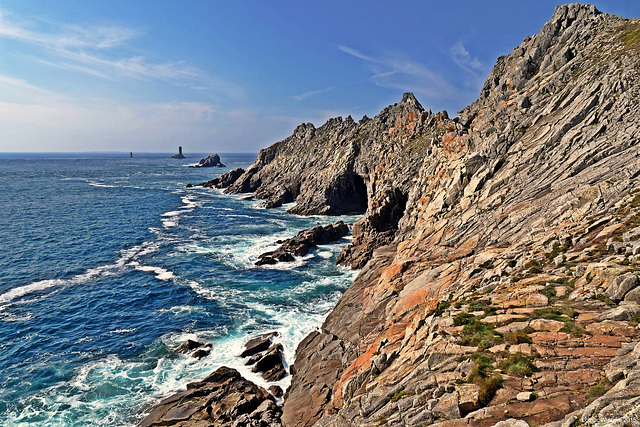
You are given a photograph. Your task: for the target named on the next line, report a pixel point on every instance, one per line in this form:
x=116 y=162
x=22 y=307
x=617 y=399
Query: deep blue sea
x=108 y=263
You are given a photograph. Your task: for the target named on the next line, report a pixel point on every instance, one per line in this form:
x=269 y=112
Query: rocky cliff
x=499 y=249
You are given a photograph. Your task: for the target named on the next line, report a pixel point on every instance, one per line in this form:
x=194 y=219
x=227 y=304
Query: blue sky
x=237 y=76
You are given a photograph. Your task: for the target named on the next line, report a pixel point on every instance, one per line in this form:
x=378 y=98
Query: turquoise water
x=108 y=263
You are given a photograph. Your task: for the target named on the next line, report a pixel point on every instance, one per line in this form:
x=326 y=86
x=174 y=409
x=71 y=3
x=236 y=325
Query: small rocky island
x=212 y=161
x=179 y=155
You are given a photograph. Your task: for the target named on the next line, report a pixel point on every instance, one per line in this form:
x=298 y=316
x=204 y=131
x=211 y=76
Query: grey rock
x=300 y=244
x=623 y=284
x=209 y=162
x=224 y=180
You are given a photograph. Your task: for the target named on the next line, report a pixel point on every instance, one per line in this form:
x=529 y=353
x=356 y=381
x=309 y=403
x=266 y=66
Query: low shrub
x=518 y=365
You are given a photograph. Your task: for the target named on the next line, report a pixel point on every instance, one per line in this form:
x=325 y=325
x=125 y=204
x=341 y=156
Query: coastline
x=500 y=262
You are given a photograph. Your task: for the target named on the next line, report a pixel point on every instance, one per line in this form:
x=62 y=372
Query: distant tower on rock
x=179 y=155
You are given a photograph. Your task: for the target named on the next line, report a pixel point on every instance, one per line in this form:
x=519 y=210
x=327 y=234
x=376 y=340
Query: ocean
x=108 y=263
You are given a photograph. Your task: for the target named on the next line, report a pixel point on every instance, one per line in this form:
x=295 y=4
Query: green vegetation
x=533 y=266
x=399 y=395
x=518 y=365
x=596 y=391
x=440 y=308
x=557 y=250
x=577 y=422
x=571 y=328
x=382 y=421
x=549 y=291
x=485 y=377
x=600 y=297
x=517 y=337
x=475 y=332
x=561 y=314
x=630 y=36
x=486 y=265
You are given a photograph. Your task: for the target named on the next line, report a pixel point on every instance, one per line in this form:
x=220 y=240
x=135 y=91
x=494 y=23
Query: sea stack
x=179 y=155
x=209 y=162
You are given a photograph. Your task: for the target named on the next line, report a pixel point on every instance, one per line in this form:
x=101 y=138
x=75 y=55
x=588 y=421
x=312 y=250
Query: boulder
x=188 y=346
x=258 y=344
x=623 y=284
x=271 y=364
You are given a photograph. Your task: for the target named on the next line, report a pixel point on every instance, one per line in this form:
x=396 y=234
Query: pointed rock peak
x=409 y=99
x=566 y=14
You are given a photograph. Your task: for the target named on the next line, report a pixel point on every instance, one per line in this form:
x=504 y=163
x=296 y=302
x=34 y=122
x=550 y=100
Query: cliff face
x=345 y=167
x=504 y=281
x=514 y=217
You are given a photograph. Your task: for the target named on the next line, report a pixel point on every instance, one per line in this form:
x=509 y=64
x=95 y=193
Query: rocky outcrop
x=224 y=180
x=499 y=249
x=300 y=244
x=266 y=357
x=224 y=398
x=194 y=348
x=503 y=293
x=345 y=167
x=209 y=162
x=179 y=155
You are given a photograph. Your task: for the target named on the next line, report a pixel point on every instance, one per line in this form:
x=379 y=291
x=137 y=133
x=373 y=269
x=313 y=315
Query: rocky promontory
x=499 y=250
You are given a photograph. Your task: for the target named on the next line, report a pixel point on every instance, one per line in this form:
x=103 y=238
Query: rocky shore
x=499 y=250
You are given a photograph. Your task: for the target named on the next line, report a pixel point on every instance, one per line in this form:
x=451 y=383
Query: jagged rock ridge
x=344 y=167
x=499 y=249
x=518 y=198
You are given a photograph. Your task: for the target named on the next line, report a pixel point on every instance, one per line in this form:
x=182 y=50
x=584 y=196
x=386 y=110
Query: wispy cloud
x=19 y=83
x=66 y=36
x=309 y=94
x=101 y=51
x=396 y=71
x=461 y=56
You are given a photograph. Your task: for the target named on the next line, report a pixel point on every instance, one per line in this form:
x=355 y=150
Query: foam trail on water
x=120 y=266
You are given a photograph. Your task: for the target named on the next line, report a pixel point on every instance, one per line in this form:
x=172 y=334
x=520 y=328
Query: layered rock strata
x=222 y=399
x=499 y=249
x=506 y=226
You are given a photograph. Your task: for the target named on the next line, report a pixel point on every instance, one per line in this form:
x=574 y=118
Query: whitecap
x=161 y=273
x=99 y=184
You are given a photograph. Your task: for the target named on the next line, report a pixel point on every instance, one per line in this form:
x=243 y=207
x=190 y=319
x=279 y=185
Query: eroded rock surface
x=499 y=250
x=209 y=162
x=509 y=284
x=224 y=398
x=300 y=244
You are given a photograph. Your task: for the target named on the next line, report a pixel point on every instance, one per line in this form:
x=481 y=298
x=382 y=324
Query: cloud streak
x=396 y=71
x=100 y=51
x=311 y=93
x=463 y=59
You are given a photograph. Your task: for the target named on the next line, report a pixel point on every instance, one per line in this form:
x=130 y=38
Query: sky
x=237 y=76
